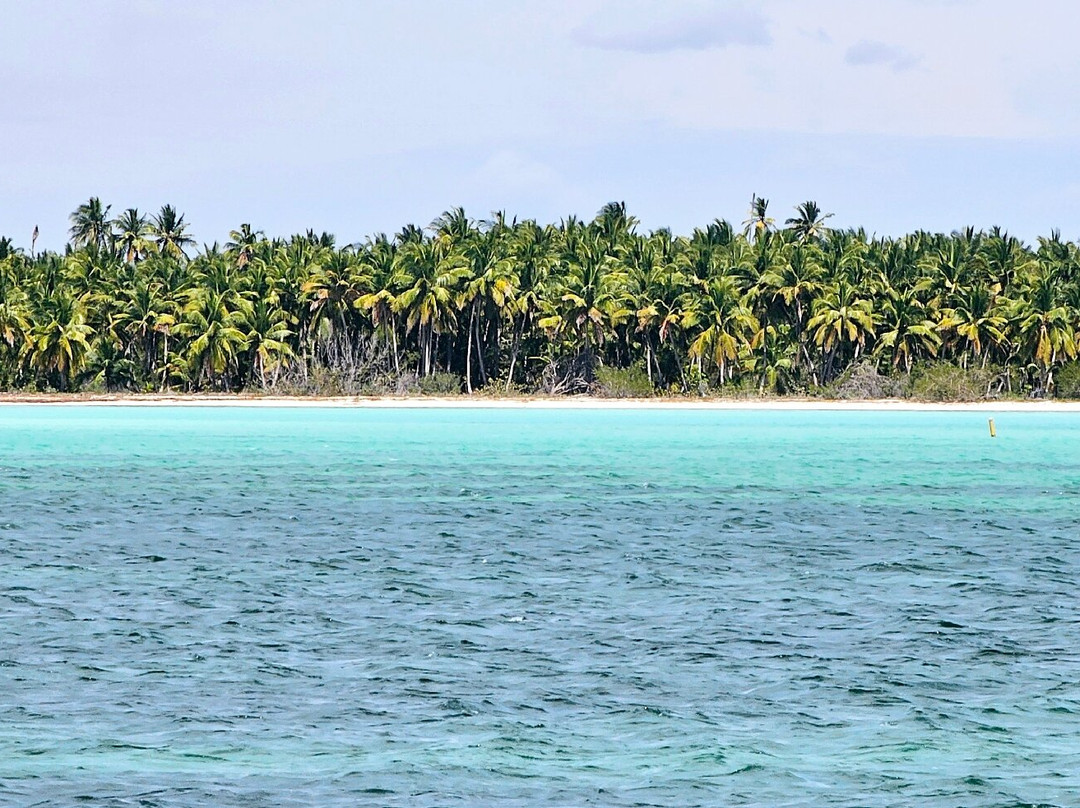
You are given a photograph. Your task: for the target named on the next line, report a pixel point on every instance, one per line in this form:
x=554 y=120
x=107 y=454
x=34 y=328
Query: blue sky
x=358 y=117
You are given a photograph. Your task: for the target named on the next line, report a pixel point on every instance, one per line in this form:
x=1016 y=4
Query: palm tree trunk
x=393 y=336
x=164 y=360
x=480 y=353
x=469 y=347
x=518 y=327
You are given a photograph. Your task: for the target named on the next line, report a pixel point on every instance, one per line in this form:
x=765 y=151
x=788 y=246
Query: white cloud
x=870 y=52
x=510 y=170
x=660 y=33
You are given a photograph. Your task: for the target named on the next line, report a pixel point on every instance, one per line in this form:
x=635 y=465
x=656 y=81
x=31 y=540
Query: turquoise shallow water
x=279 y=607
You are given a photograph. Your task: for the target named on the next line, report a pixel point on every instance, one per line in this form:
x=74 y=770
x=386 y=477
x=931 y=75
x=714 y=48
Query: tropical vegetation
x=501 y=305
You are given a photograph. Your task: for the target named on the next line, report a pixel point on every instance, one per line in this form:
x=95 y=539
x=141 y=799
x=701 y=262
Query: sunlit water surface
x=294 y=607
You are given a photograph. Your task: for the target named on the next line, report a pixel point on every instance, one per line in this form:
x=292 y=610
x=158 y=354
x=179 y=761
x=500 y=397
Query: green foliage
x=1067 y=381
x=631 y=382
x=499 y=306
x=942 y=382
x=440 y=383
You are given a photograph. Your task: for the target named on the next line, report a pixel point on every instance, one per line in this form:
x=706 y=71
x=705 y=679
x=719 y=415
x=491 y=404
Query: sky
x=357 y=117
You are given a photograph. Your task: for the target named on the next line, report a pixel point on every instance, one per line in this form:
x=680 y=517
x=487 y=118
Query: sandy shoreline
x=569 y=403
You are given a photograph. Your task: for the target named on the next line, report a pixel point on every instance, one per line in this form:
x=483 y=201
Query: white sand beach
x=564 y=402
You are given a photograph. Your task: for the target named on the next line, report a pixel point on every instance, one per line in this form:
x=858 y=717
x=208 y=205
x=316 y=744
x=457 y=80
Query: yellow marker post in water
x=993 y=429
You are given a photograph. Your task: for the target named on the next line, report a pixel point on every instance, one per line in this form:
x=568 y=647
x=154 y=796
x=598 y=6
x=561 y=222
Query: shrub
x=864 y=381
x=440 y=383
x=945 y=382
x=498 y=388
x=1067 y=381
x=632 y=382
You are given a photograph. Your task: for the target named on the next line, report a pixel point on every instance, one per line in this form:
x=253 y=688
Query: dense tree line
x=500 y=303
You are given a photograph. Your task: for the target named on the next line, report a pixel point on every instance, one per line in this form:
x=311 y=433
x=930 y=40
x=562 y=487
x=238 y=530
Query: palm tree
x=268 y=333
x=216 y=333
x=490 y=285
x=430 y=272
x=973 y=324
x=841 y=318
x=727 y=324
x=758 y=222
x=59 y=340
x=533 y=257
x=771 y=357
x=808 y=222
x=906 y=329
x=661 y=300
x=14 y=329
x=587 y=301
x=335 y=285
x=613 y=224
x=242 y=244
x=90 y=225
x=1044 y=325
x=145 y=312
x=132 y=235
x=379 y=257
x=170 y=233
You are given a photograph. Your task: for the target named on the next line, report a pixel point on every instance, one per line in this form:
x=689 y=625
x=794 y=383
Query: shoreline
x=541 y=403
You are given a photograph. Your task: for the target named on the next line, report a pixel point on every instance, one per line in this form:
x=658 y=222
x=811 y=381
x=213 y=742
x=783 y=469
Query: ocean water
x=336 y=607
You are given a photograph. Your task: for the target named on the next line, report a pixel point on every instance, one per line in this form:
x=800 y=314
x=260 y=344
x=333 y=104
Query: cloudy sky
x=357 y=117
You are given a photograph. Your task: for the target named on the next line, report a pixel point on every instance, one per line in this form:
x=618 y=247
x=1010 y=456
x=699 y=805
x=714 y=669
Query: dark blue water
x=333 y=607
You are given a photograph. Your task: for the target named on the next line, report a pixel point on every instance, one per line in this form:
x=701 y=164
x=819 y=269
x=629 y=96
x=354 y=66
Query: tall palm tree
x=808 y=223
x=90 y=225
x=532 y=257
x=132 y=235
x=588 y=300
x=726 y=324
x=242 y=244
x=841 y=319
x=758 y=223
x=431 y=272
x=490 y=285
x=170 y=233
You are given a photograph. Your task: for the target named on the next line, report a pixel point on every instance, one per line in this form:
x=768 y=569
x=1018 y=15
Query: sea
x=317 y=606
